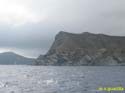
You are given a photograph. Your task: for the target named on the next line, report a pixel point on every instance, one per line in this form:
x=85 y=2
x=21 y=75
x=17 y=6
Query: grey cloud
x=97 y=16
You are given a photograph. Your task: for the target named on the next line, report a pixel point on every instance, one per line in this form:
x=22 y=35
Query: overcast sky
x=28 y=27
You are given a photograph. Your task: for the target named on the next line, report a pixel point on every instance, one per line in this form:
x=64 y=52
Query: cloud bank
x=27 y=25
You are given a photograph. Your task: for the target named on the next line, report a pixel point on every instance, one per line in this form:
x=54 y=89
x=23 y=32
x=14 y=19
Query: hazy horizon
x=28 y=27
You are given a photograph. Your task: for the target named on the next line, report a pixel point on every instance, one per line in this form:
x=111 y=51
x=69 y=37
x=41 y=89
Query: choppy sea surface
x=64 y=79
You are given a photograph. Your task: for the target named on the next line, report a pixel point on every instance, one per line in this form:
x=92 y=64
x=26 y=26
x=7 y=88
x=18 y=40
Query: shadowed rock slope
x=85 y=49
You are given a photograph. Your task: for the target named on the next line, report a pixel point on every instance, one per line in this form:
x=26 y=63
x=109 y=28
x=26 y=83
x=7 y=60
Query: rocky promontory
x=86 y=49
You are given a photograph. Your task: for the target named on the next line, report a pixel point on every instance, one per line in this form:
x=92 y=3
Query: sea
x=61 y=79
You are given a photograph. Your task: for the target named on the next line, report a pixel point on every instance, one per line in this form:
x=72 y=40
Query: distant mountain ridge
x=11 y=58
x=85 y=49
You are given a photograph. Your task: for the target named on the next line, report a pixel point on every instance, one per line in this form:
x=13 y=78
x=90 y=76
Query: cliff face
x=84 y=49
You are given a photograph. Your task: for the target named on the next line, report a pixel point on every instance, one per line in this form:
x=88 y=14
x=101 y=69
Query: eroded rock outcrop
x=84 y=49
